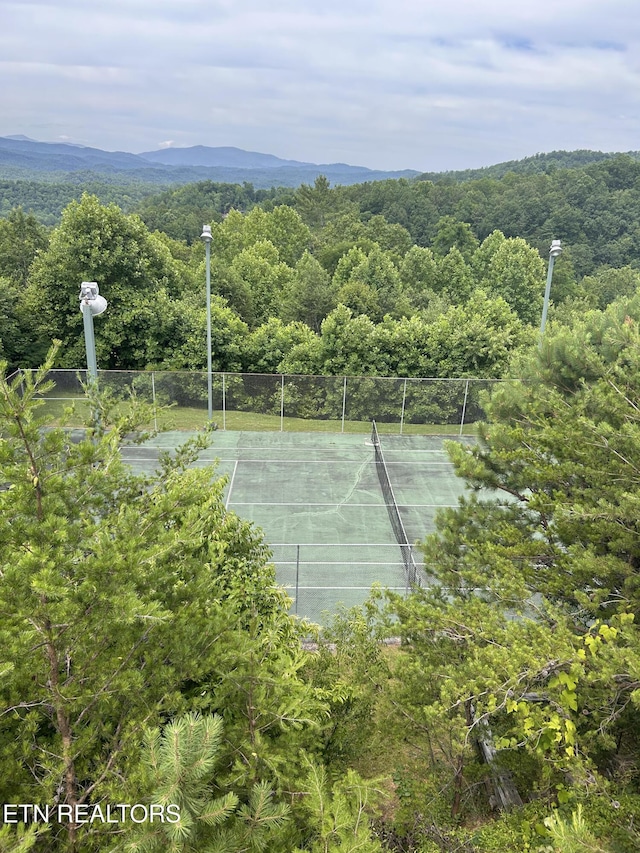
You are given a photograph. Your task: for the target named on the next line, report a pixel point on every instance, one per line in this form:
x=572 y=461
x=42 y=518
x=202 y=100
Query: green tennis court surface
x=318 y=499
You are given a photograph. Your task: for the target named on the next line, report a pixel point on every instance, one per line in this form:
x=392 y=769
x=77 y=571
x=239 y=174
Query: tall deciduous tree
x=454 y=277
x=348 y=344
x=308 y=296
x=346 y=265
x=282 y=227
x=368 y=282
x=418 y=275
x=517 y=273
x=22 y=237
x=267 y=346
x=482 y=257
x=181 y=341
x=607 y=284
x=260 y=267
x=100 y=243
x=451 y=234
x=15 y=340
x=392 y=238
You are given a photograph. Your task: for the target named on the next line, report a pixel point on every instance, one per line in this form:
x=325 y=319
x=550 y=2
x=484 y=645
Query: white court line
x=395 y=565
x=334 y=544
x=338 y=588
x=233 y=476
x=316 y=450
x=342 y=505
x=410 y=450
x=293 y=461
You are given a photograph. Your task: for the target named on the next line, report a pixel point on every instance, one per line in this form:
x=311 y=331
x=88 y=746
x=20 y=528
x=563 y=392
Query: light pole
x=554 y=252
x=91 y=305
x=206 y=236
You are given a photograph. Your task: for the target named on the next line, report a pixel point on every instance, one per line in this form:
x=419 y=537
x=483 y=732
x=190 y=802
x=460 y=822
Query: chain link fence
x=286 y=402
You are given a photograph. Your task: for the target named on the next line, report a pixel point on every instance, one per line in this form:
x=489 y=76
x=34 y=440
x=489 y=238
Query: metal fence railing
x=283 y=401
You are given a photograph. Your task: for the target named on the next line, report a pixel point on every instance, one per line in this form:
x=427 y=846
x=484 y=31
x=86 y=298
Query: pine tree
x=529 y=626
x=123 y=600
x=338 y=816
x=181 y=762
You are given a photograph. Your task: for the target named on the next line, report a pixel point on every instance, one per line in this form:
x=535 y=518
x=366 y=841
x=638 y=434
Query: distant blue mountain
x=59 y=156
x=24 y=158
x=201 y=155
x=21 y=137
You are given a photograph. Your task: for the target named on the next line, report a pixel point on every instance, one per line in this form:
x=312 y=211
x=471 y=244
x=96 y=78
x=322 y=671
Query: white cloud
x=386 y=83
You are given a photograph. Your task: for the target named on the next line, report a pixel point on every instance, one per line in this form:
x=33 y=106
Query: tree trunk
x=64 y=729
x=505 y=794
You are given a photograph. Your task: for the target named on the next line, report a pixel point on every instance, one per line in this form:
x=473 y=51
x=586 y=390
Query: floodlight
x=90 y=296
x=556 y=249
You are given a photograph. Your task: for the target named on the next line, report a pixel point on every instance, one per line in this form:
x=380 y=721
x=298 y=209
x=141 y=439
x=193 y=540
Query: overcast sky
x=390 y=84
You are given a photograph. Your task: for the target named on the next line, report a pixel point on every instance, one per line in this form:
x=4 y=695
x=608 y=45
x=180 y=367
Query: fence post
x=153 y=398
x=404 y=399
x=464 y=405
x=344 y=401
x=282 y=402
x=297 y=576
x=224 y=402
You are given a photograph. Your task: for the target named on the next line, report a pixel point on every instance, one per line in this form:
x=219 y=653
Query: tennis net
x=410 y=565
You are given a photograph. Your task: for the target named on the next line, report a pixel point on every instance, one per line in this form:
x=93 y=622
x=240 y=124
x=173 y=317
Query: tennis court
x=319 y=500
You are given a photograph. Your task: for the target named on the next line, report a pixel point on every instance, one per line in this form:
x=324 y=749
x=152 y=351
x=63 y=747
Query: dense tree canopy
x=394 y=248
x=265 y=265
x=132 y=268
x=145 y=651
x=529 y=630
x=594 y=209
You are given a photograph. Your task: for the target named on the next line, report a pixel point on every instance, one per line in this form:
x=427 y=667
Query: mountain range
x=27 y=159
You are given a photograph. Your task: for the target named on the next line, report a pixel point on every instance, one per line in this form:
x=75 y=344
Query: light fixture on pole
x=206 y=236
x=91 y=305
x=554 y=252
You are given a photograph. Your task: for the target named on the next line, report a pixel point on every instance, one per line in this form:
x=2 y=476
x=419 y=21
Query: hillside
x=26 y=159
x=534 y=165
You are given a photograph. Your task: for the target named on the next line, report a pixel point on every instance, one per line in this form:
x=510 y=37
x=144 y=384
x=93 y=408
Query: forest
x=147 y=656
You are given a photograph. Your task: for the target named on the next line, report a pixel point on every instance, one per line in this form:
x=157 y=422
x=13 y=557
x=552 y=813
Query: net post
x=224 y=401
x=344 y=401
x=464 y=405
x=404 y=400
x=406 y=574
x=281 y=402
